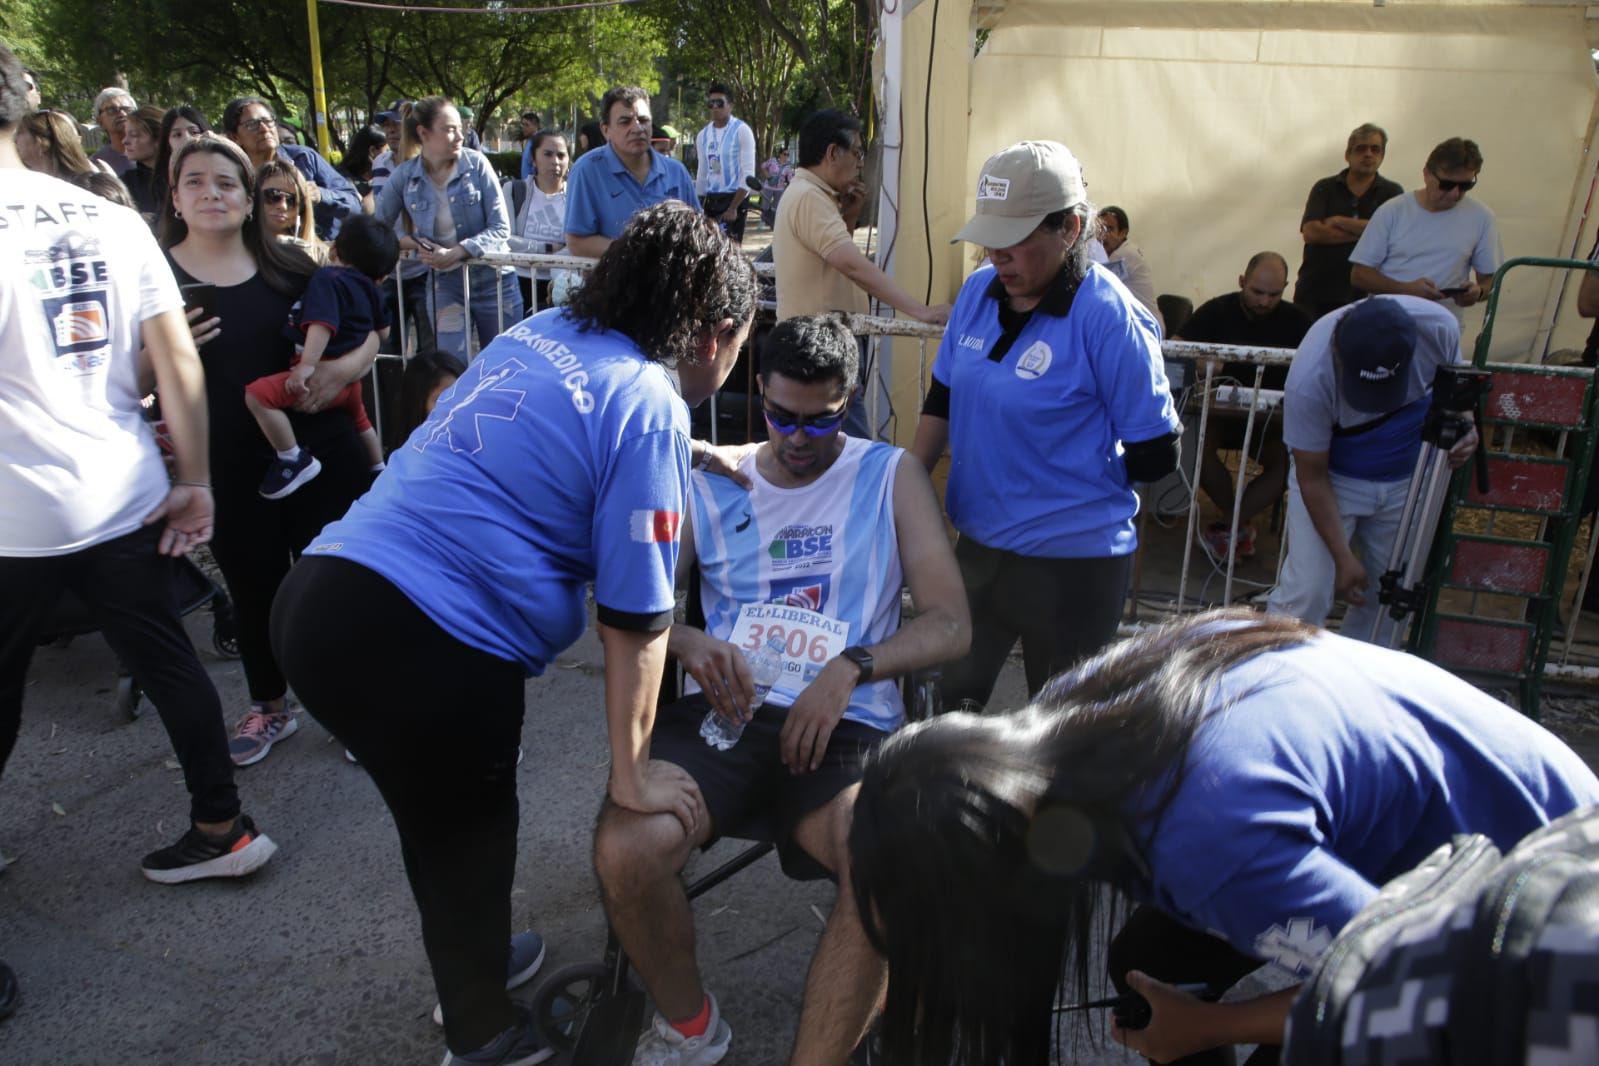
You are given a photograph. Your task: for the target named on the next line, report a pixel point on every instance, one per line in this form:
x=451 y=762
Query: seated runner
x=811 y=558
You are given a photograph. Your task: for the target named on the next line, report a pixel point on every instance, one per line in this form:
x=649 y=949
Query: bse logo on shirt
x=1034 y=361
x=80 y=327
x=801 y=546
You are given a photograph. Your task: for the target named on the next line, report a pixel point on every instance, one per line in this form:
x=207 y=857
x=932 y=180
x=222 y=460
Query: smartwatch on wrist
x=861 y=658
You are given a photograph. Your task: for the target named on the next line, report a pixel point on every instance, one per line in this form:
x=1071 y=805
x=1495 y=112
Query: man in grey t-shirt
x=1357 y=392
x=1429 y=243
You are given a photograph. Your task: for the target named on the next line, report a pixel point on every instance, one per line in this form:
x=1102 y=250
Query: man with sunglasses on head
x=1336 y=214
x=726 y=151
x=812 y=557
x=1430 y=243
x=1353 y=406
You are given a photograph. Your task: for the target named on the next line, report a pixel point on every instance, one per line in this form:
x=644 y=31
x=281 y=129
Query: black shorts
x=748 y=790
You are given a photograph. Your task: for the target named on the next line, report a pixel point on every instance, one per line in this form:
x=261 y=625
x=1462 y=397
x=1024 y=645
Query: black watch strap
x=861 y=658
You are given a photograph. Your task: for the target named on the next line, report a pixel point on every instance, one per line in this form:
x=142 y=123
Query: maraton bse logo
x=799 y=544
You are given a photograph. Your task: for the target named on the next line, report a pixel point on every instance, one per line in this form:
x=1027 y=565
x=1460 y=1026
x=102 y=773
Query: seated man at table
x=1255 y=316
x=813 y=554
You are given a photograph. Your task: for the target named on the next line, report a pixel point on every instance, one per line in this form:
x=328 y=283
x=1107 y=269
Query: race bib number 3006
x=808 y=640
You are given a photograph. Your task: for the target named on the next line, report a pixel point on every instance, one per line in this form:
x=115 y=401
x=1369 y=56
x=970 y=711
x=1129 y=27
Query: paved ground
x=317 y=959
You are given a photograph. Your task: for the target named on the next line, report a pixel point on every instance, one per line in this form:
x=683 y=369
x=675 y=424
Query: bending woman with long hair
x=1254 y=777
x=560 y=458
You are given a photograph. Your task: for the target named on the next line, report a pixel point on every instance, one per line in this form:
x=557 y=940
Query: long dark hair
x=283 y=266
x=982 y=847
x=670 y=275
x=163 y=157
x=423 y=373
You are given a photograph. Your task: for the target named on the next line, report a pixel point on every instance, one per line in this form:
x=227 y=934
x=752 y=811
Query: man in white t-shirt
x=1126 y=261
x=726 y=151
x=88 y=505
x=1429 y=243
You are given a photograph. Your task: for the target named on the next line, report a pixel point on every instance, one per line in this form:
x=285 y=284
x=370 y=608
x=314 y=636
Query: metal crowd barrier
x=1197 y=400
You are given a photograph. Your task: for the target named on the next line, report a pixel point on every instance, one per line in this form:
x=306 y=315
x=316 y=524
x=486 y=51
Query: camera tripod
x=1458 y=393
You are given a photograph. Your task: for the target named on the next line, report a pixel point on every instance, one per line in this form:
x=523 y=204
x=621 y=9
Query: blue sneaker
x=520 y=1045
x=283 y=477
x=527 y=955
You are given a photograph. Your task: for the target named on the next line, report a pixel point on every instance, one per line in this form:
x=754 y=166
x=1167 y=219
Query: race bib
x=808 y=641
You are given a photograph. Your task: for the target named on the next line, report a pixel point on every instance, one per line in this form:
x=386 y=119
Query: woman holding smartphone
x=451 y=209
x=239 y=287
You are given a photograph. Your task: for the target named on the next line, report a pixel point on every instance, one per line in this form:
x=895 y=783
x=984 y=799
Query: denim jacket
x=476 y=203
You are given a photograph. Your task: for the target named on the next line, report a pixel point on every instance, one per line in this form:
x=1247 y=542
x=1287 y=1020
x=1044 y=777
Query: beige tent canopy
x=1209 y=121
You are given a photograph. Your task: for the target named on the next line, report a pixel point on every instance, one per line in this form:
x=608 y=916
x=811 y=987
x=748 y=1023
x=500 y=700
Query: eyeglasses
x=256 y=125
x=820 y=425
x=281 y=196
x=1445 y=185
x=118 y=109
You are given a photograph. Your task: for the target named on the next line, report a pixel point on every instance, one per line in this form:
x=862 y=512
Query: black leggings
x=1165 y=949
x=1063 y=610
x=257 y=539
x=133 y=594
x=436 y=724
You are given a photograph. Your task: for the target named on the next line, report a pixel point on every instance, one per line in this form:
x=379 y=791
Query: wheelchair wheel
x=224 y=632
x=576 y=1012
x=130 y=697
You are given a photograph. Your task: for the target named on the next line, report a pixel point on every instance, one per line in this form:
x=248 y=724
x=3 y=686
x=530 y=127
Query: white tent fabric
x=1209 y=121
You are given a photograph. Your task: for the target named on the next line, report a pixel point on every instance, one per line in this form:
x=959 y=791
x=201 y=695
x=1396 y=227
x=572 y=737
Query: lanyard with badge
x=716 y=149
x=805 y=640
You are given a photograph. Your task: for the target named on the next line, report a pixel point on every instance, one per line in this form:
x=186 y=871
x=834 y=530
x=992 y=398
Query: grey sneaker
x=520 y=1045
x=257 y=731
x=662 y=1045
x=527 y=955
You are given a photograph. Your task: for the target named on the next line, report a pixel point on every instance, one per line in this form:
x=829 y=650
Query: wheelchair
x=593 y=1012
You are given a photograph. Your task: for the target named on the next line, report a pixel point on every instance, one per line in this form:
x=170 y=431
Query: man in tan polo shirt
x=819 y=268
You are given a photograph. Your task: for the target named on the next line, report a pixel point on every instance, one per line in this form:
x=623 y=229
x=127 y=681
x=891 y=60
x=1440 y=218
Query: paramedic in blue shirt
x=410 y=626
x=1050 y=392
x=449 y=207
x=606 y=186
x=1249 y=781
x=1357 y=393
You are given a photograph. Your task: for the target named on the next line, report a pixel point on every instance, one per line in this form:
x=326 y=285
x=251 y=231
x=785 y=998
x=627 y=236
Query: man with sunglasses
x=726 y=151
x=1336 y=214
x=1430 y=243
x=1357 y=393
x=829 y=530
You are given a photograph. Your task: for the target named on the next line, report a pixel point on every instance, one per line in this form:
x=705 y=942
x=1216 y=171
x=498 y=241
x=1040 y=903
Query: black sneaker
x=520 y=1045
x=197 y=855
x=10 y=991
x=283 y=477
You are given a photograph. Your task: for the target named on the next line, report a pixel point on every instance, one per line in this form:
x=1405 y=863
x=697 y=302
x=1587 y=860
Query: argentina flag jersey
x=830 y=547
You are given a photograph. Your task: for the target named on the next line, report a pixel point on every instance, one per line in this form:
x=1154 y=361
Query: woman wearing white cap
x=1049 y=391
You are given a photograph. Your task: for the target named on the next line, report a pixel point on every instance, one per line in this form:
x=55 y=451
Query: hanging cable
x=372 y=6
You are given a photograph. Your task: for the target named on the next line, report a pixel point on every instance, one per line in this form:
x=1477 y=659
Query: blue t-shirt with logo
x=1036 y=438
x=1338 y=766
x=1313 y=404
x=561 y=457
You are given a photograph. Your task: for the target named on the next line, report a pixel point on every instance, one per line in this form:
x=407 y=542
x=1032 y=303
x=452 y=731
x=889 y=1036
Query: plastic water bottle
x=766 y=663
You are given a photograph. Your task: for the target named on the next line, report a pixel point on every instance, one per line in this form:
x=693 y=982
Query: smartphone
x=1455 y=290
x=424 y=242
x=201 y=294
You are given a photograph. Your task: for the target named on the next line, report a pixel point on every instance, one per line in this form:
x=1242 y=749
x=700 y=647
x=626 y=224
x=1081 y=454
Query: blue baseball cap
x=1375 y=341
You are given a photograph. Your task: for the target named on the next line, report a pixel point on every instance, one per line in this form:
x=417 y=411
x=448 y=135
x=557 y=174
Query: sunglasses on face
x=783 y=423
x=716 y=103
x=1445 y=185
x=281 y=196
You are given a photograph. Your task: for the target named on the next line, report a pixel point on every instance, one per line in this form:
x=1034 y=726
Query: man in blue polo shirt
x=1356 y=396
x=607 y=187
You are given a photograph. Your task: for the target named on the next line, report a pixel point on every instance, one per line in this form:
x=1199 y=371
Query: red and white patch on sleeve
x=654 y=527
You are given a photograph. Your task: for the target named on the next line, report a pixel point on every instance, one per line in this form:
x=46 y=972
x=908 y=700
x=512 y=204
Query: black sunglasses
x=820 y=425
x=281 y=196
x=1450 y=186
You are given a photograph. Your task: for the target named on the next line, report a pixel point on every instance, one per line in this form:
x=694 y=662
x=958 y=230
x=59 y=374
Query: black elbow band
x=1151 y=460
x=937 y=401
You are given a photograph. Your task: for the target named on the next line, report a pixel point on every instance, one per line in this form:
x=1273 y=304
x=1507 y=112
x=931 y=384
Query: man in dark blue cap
x=1357 y=392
